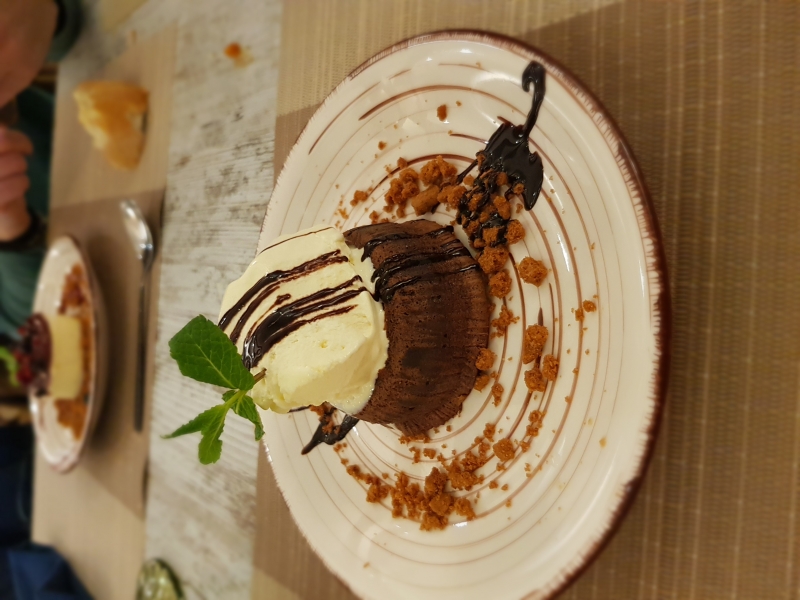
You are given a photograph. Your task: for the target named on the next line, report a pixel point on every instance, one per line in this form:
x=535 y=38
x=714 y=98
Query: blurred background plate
x=58 y=445
x=593 y=226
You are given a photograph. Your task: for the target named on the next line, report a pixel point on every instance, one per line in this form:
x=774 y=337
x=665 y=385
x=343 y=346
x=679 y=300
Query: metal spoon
x=142 y=240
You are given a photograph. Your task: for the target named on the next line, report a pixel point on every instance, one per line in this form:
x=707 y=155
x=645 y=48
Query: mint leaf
x=246 y=408
x=204 y=353
x=210 y=448
x=210 y=423
x=12 y=366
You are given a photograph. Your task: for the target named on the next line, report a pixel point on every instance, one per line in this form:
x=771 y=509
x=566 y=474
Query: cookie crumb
x=497 y=393
x=502 y=322
x=504 y=450
x=550 y=367
x=485 y=359
x=500 y=284
x=533 y=343
x=532 y=271
x=493 y=259
x=451 y=195
x=358 y=197
x=438 y=172
x=589 y=306
x=482 y=381
x=502 y=205
x=514 y=231
x=463 y=507
x=535 y=381
x=402 y=188
x=381 y=145
x=441 y=112
x=426 y=200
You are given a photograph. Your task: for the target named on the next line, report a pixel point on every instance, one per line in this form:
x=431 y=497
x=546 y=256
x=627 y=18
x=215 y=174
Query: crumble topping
x=485 y=359
x=532 y=271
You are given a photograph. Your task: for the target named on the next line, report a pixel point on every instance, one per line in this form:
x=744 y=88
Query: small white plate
x=58 y=445
x=593 y=226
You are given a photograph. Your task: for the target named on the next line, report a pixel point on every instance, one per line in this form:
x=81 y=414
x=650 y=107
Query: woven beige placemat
x=708 y=96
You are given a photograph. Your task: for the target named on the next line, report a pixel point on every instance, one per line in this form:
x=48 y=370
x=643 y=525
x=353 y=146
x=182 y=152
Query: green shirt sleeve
x=18 y=275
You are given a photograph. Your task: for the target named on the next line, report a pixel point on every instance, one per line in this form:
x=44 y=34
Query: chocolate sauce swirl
x=371 y=245
x=507 y=150
x=506 y=153
x=288 y=318
x=268 y=285
x=327 y=432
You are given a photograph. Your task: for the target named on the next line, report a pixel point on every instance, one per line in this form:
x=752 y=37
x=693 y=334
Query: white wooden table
x=219 y=181
x=200 y=519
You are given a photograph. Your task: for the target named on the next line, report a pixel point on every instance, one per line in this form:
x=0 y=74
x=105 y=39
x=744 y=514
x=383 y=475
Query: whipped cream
x=303 y=313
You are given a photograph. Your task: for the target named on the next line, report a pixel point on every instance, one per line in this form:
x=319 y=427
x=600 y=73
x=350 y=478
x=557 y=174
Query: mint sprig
x=204 y=353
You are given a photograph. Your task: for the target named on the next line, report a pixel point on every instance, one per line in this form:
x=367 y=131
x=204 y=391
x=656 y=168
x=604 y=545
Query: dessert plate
x=555 y=505
x=57 y=443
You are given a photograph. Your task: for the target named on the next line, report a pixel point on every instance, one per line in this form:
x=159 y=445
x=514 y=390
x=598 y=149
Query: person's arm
x=26 y=32
x=21 y=234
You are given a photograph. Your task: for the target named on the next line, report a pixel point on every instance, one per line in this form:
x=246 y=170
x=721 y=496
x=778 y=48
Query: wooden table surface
x=219 y=178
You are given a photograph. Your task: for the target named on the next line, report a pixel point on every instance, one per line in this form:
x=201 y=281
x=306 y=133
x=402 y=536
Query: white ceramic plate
x=58 y=445
x=593 y=226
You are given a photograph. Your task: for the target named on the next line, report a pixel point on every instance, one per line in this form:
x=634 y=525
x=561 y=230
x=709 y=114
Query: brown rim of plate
x=662 y=327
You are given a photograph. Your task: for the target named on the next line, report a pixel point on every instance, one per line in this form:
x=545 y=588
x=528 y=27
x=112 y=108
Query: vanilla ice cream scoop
x=303 y=312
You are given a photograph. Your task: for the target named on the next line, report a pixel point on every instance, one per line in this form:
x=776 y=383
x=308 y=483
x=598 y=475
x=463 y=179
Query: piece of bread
x=113 y=114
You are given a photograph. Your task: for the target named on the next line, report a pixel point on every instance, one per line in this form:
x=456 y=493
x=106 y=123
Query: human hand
x=26 y=30
x=14 y=182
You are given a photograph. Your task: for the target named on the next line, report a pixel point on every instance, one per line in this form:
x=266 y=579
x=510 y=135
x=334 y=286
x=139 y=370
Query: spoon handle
x=141 y=353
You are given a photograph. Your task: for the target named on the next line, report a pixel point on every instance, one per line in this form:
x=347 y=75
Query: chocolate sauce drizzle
x=400 y=262
x=268 y=285
x=327 y=433
x=507 y=151
x=288 y=318
x=371 y=245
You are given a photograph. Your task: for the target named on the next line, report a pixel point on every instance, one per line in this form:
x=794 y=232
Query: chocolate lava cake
x=436 y=317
